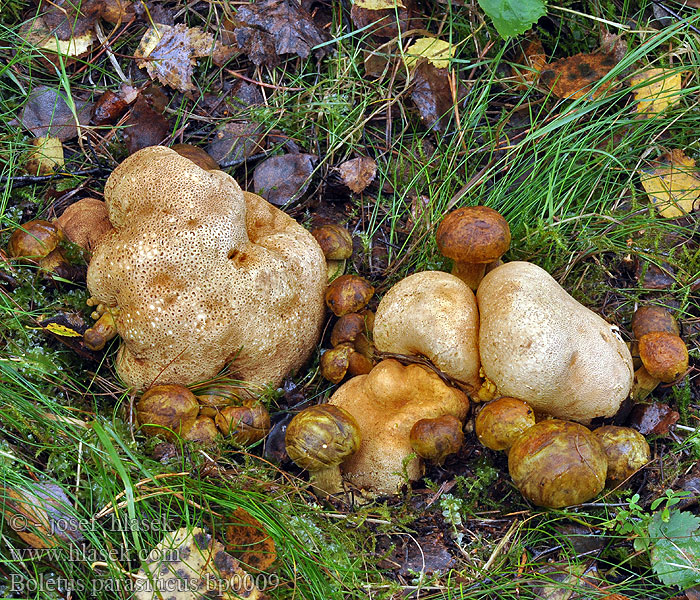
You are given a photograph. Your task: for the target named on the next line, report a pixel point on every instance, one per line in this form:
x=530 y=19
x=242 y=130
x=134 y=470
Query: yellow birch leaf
x=379 y=4
x=659 y=89
x=438 y=52
x=674 y=189
x=62 y=330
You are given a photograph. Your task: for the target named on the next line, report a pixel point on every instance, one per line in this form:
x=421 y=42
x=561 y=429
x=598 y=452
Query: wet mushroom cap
x=167 y=407
x=648 y=319
x=473 y=234
x=85 y=222
x=500 y=422
x=34 y=239
x=664 y=355
x=626 y=450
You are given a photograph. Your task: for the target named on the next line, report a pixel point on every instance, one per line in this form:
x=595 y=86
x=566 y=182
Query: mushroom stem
x=101 y=332
x=644 y=384
x=469 y=273
x=327 y=480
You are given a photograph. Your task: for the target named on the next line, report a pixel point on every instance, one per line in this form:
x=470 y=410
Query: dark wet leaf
x=248 y=541
x=583 y=539
x=46 y=114
x=384 y=18
x=653 y=419
x=432 y=95
x=69 y=19
x=169 y=53
x=427 y=554
x=108 y=108
x=575 y=76
x=358 y=173
x=275 y=448
x=652 y=277
x=234 y=141
x=144 y=127
x=271 y=28
x=281 y=178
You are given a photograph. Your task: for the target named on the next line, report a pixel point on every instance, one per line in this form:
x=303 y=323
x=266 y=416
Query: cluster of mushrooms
x=198 y=277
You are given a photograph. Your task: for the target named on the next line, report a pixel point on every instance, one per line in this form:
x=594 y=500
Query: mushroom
x=352 y=352
x=540 y=345
x=203 y=430
x=197 y=155
x=647 y=319
x=500 y=422
x=664 y=359
x=473 y=237
x=432 y=314
x=336 y=243
x=348 y=294
x=318 y=439
x=168 y=410
x=244 y=424
x=435 y=439
x=37 y=241
x=85 y=222
x=557 y=463
x=626 y=451
x=204 y=275
x=386 y=404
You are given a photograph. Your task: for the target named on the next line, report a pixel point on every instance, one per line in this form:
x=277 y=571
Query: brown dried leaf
x=271 y=28
x=652 y=277
x=234 y=141
x=46 y=114
x=39 y=34
x=191 y=564
x=574 y=77
x=358 y=173
x=171 y=52
x=653 y=419
x=144 y=127
x=533 y=60
x=281 y=178
x=432 y=95
x=384 y=19
x=429 y=555
x=249 y=542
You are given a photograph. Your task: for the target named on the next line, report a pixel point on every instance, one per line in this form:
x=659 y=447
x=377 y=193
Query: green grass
x=564 y=173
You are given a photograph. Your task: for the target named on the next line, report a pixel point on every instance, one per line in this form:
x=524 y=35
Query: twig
x=25 y=180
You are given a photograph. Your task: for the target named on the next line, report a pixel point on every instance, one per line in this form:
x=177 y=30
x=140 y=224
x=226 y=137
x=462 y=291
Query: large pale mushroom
x=386 y=404
x=540 y=345
x=203 y=275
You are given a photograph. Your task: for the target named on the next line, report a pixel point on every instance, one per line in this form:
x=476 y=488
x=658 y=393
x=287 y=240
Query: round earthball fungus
x=473 y=237
x=168 y=410
x=244 y=424
x=386 y=404
x=435 y=439
x=318 y=439
x=500 y=422
x=432 y=314
x=85 y=222
x=205 y=276
x=540 y=345
x=557 y=463
x=625 y=449
x=348 y=294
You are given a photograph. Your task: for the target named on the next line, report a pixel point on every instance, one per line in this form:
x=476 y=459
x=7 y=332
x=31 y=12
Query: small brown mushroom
x=168 y=410
x=85 y=222
x=648 y=319
x=244 y=424
x=664 y=359
x=626 y=450
x=500 y=422
x=197 y=155
x=435 y=439
x=104 y=329
x=335 y=241
x=203 y=431
x=473 y=237
x=37 y=241
x=343 y=360
x=348 y=294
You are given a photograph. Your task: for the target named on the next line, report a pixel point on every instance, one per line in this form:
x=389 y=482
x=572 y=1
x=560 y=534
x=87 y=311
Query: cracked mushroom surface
x=204 y=275
x=386 y=404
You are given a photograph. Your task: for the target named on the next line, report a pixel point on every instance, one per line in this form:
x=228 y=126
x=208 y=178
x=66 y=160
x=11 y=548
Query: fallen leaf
x=39 y=34
x=384 y=18
x=674 y=188
x=533 y=60
x=358 y=173
x=513 y=18
x=248 y=541
x=574 y=77
x=189 y=564
x=432 y=95
x=47 y=157
x=144 y=127
x=234 y=141
x=656 y=89
x=172 y=52
x=46 y=114
x=41 y=517
x=651 y=277
x=271 y=28
x=68 y=19
x=281 y=178
x=654 y=419
x=379 y=4
x=435 y=51
x=428 y=555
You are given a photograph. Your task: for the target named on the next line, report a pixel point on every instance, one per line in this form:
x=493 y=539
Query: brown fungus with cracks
x=625 y=449
x=435 y=439
x=664 y=359
x=348 y=294
x=473 y=237
x=37 y=242
x=500 y=422
x=167 y=410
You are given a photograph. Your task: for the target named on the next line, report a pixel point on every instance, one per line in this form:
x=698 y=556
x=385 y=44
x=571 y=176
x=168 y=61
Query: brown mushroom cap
x=500 y=422
x=664 y=355
x=648 y=319
x=204 y=274
x=473 y=234
x=34 y=239
x=197 y=155
x=168 y=410
x=386 y=404
x=85 y=222
x=540 y=345
x=348 y=294
x=436 y=439
x=626 y=450
x=432 y=314
x=335 y=241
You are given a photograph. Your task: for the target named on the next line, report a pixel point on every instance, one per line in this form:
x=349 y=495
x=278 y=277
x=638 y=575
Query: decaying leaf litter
x=380 y=119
